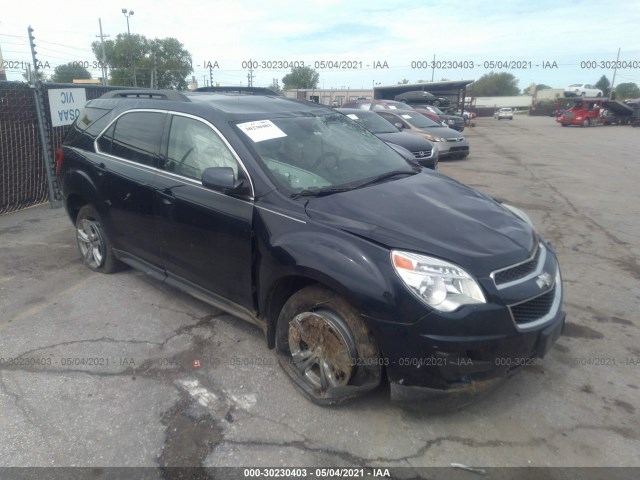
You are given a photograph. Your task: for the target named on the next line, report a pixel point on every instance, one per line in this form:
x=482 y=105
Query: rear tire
x=93 y=242
x=325 y=348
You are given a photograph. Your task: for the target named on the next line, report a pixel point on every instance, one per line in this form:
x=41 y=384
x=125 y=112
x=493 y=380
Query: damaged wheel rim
x=90 y=243
x=322 y=349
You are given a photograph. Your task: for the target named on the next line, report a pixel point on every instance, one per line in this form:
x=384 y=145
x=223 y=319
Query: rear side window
x=134 y=136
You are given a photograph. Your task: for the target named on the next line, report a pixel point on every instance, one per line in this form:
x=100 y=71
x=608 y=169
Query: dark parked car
x=420 y=96
x=452 y=121
x=450 y=143
x=291 y=216
x=422 y=150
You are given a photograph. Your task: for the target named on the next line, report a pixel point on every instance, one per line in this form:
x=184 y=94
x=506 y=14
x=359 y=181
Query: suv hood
x=431 y=214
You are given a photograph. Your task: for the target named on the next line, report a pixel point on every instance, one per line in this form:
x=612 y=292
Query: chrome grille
x=422 y=154
x=518 y=271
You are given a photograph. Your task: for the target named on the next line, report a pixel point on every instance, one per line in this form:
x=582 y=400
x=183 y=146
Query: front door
x=205 y=236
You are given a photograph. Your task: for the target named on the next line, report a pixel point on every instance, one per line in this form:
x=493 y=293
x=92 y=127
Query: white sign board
x=261 y=130
x=65 y=105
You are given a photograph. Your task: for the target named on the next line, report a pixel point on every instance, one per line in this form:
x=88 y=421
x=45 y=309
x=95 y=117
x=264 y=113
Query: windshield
x=418 y=120
x=372 y=122
x=315 y=153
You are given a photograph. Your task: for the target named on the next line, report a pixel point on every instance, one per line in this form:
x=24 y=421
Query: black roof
x=238 y=89
x=256 y=104
x=236 y=104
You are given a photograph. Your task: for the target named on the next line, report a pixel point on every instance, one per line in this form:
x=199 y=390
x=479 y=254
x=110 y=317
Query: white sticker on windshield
x=405 y=116
x=392 y=107
x=261 y=130
x=352 y=116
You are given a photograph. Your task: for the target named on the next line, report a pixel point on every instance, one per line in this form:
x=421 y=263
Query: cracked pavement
x=120 y=370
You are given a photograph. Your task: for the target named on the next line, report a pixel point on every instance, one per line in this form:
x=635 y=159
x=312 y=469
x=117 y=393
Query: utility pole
x=43 y=128
x=433 y=67
x=104 y=55
x=250 y=77
x=210 y=75
x=154 y=72
x=613 y=81
x=127 y=14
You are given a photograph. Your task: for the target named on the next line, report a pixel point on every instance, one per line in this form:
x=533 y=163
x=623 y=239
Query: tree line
x=166 y=63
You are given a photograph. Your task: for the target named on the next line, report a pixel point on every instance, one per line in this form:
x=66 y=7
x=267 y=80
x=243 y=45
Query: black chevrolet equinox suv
x=358 y=264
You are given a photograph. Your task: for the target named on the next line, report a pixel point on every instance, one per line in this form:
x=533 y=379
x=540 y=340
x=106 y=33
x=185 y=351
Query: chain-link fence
x=23 y=174
x=23 y=179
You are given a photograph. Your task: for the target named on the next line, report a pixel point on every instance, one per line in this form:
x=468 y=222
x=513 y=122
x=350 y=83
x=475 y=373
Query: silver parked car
x=451 y=144
x=505 y=112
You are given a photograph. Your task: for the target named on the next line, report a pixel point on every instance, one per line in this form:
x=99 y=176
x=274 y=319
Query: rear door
x=205 y=235
x=129 y=152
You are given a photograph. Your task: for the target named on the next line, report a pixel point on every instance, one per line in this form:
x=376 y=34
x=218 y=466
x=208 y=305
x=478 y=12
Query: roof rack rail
x=239 y=89
x=148 y=94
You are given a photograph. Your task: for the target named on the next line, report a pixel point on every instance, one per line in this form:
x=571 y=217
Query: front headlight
x=439 y=284
x=432 y=138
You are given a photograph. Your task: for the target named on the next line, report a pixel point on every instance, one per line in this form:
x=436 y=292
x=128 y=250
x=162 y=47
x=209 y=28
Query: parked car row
x=450 y=143
x=413 y=147
x=429 y=111
x=358 y=265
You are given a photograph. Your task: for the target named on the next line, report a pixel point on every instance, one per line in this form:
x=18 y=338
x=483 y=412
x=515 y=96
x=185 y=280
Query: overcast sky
x=364 y=32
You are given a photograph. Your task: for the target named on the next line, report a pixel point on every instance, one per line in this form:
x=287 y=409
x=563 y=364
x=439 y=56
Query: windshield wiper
x=391 y=174
x=320 y=192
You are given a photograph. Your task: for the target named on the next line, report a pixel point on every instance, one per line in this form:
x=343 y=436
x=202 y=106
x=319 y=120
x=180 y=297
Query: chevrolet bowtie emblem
x=544 y=280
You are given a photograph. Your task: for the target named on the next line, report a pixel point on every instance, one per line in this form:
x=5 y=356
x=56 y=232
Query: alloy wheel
x=322 y=349
x=90 y=242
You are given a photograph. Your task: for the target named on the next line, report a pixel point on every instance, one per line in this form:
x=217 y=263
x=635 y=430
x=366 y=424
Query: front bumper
x=454 y=149
x=459 y=371
x=463 y=353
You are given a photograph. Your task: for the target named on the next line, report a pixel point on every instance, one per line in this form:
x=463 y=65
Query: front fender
x=355 y=268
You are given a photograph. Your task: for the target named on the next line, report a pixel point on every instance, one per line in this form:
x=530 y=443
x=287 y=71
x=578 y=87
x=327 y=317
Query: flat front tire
x=93 y=242
x=325 y=347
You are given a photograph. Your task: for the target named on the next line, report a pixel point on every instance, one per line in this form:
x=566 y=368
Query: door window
x=194 y=146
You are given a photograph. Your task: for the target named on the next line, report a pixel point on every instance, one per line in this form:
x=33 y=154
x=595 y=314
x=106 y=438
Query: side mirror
x=398 y=125
x=221 y=179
